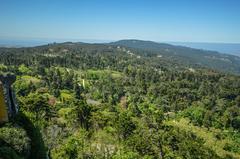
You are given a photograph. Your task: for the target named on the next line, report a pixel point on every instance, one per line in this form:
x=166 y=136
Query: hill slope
x=186 y=55
x=155 y=54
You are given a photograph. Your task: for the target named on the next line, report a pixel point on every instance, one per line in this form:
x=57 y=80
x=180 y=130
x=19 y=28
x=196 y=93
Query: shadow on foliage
x=7 y=152
x=38 y=150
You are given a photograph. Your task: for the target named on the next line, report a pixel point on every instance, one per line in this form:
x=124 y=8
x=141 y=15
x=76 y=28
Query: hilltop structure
x=8 y=106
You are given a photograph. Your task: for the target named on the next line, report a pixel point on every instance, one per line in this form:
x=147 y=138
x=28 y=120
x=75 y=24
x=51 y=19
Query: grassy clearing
x=209 y=136
x=102 y=73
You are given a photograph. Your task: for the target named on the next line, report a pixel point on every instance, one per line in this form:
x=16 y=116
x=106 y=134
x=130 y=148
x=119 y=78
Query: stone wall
x=3 y=106
x=9 y=97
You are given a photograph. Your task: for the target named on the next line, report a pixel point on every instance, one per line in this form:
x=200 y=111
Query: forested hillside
x=186 y=55
x=121 y=102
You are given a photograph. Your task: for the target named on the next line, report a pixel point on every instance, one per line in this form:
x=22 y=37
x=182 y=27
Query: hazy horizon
x=182 y=21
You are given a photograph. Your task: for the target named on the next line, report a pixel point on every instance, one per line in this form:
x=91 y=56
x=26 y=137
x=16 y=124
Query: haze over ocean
x=227 y=48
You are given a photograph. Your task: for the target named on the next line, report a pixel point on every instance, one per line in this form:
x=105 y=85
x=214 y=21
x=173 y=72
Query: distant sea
x=21 y=43
x=38 y=42
x=227 y=48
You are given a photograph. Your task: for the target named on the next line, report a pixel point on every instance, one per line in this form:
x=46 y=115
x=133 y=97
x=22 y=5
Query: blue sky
x=157 y=20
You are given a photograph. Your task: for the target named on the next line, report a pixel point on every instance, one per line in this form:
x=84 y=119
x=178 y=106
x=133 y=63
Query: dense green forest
x=185 y=55
x=111 y=101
